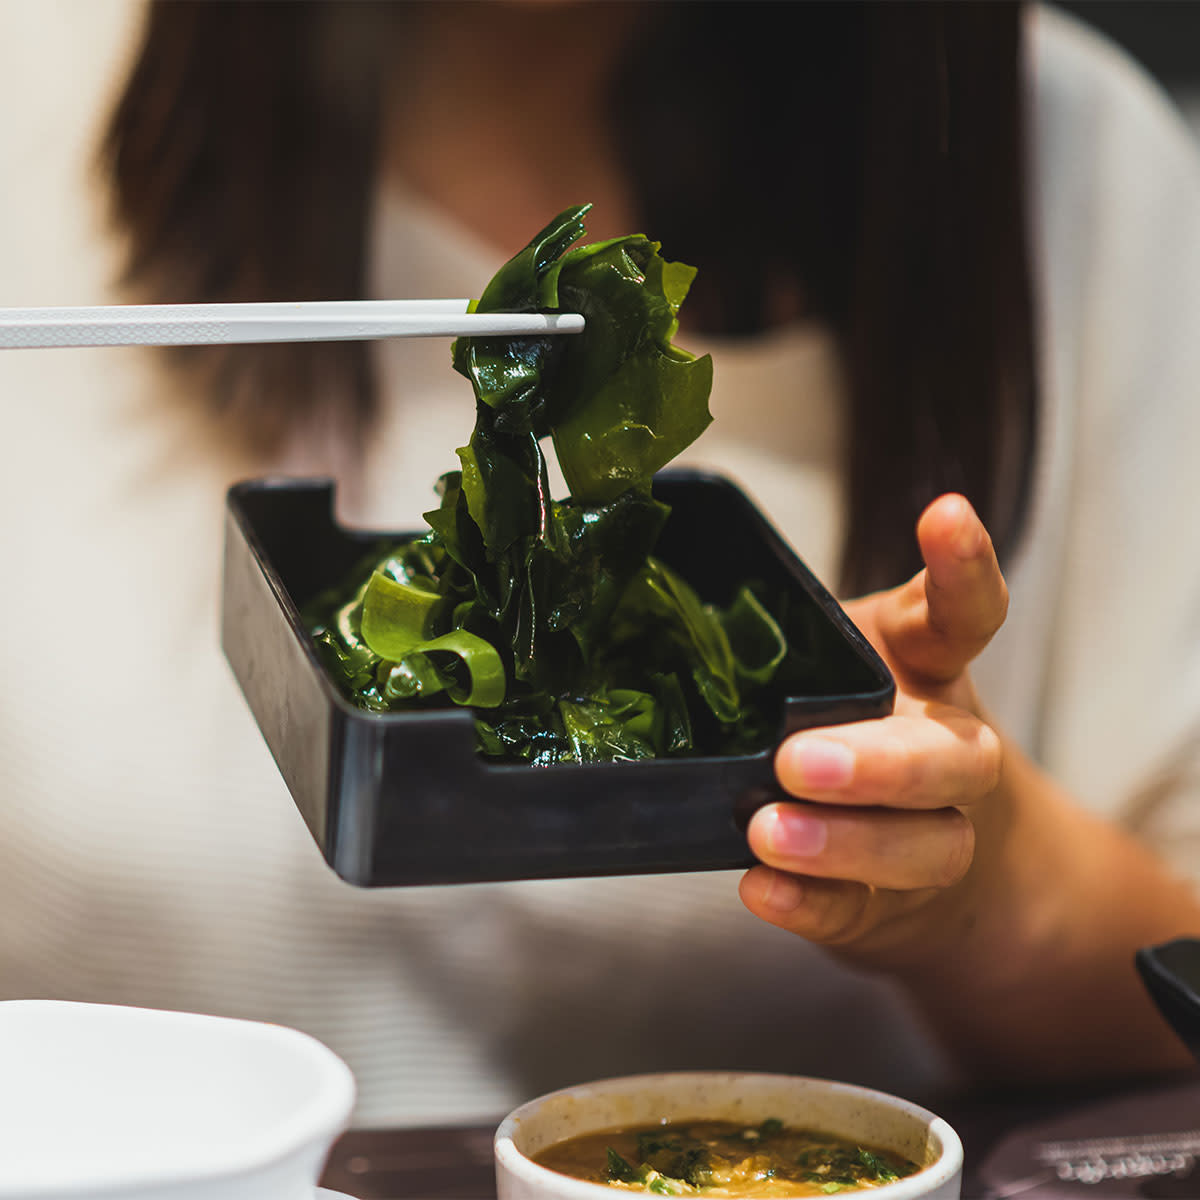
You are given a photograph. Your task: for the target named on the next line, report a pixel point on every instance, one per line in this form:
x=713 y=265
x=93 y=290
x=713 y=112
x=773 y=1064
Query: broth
x=724 y=1158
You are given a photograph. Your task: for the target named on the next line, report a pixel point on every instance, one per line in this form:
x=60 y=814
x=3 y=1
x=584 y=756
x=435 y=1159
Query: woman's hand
x=924 y=845
x=886 y=811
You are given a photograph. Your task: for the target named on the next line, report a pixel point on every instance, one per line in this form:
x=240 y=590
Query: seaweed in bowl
x=553 y=620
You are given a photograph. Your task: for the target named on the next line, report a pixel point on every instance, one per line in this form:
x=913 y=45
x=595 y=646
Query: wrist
x=1033 y=974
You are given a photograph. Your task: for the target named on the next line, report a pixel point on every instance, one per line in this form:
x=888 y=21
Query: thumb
x=946 y=614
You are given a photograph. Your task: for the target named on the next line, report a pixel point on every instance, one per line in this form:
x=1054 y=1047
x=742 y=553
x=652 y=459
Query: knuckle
x=899 y=772
x=960 y=848
x=838 y=912
x=991 y=757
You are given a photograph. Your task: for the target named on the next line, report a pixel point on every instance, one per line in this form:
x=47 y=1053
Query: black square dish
x=404 y=798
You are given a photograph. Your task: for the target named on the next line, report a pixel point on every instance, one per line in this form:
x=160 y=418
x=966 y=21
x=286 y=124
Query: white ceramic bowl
x=119 y=1103
x=836 y=1108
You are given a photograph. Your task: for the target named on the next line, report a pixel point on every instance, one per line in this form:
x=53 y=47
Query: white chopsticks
x=308 y=321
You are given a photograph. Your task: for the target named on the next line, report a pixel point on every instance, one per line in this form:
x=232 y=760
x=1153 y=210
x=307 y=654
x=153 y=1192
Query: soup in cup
x=894 y=1149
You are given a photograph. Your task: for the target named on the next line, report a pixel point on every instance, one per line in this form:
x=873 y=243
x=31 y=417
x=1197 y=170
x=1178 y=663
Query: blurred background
x=1163 y=35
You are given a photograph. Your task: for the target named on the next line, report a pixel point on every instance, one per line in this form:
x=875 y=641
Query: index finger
x=940 y=756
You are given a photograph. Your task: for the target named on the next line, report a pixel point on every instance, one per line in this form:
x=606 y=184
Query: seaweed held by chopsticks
x=551 y=619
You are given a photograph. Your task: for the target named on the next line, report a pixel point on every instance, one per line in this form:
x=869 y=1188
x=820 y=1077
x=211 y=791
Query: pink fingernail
x=822 y=763
x=968 y=540
x=797 y=835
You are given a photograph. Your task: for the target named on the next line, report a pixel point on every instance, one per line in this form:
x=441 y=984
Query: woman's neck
x=498 y=113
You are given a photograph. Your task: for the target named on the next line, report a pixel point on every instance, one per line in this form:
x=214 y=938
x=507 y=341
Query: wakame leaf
x=755 y=638
x=628 y=430
x=675 y=726
x=508 y=374
x=454 y=527
x=396 y=616
x=624 y=400
x=620 y=1168
x=880 y=1170
x=355 y=664
x=657 y=597
x=518 y=285
x=414 y=677
x=593 y=551
x=469 y=669
x=506 y=488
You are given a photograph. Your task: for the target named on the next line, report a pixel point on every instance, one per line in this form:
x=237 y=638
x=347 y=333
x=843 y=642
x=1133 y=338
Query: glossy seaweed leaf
x=591 y=554
x=509 y=374
x=624 y=401
x=552 y=619
x=463 y=664
x=398 y=615
x=620 y=1168
x=620 y=400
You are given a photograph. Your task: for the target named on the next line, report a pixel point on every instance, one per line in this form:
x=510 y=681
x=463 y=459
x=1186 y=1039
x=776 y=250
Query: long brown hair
x=874 y=165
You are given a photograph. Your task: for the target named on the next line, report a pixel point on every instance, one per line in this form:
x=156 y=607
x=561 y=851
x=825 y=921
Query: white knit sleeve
x=1118 y=220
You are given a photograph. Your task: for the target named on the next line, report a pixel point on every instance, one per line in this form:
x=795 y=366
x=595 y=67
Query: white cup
x=857 y=1113
x=116 y=1103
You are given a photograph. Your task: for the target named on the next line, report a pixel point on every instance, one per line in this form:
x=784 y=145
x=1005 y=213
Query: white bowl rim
x=911 y=1187
x=326 y=1113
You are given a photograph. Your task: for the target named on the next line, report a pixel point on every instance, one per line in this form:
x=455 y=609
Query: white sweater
x=149 y=852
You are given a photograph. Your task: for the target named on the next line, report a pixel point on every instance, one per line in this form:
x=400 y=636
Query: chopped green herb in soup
x=723 y=1158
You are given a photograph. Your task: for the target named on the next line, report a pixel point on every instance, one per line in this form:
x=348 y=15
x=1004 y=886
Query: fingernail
x=797 y=835
x=968 y=539
x=821 y=763
x=784 y=894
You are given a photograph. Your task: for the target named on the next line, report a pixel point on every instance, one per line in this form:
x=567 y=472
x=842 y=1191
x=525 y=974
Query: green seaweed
x=552 y=619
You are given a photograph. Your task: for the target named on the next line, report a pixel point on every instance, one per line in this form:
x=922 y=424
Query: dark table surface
x=1137 y=1140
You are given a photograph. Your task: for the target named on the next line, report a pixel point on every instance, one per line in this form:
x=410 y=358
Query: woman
x=865 y=288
